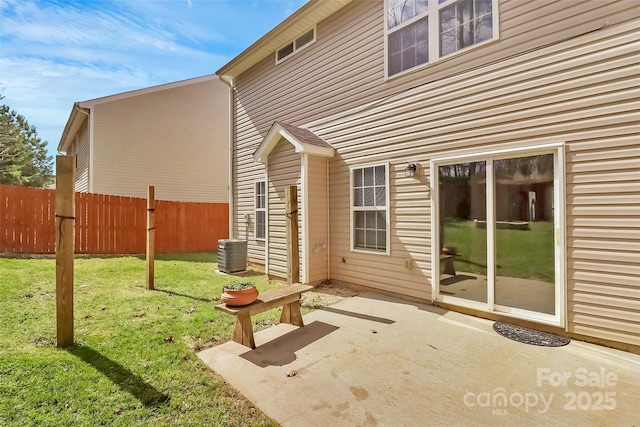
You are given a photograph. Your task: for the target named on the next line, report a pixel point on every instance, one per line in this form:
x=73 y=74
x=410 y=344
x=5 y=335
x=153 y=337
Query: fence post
x=65 y=216
x=293 y=251
x=151 y=234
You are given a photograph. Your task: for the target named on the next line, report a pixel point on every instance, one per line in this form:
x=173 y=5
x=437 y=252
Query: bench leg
x=449 y=266
x=291 y=314
x=244 y=331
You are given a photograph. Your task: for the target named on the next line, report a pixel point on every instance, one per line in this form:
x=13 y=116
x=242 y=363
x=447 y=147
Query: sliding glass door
x=499 y=243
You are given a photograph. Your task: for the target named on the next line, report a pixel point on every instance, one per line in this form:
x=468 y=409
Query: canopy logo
x=499 y=400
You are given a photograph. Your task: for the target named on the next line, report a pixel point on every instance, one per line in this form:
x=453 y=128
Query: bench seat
x=287 y=296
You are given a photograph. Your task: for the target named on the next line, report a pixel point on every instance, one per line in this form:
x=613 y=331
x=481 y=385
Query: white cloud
x=56 y=52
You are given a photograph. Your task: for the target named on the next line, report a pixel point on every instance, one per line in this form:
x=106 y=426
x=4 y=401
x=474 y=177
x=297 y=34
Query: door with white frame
x=498 y=239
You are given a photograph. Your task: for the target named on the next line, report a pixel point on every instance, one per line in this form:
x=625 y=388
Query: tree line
x=23 y=155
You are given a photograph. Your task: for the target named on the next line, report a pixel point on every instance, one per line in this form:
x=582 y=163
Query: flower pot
x=449 y=250
x=240 y=297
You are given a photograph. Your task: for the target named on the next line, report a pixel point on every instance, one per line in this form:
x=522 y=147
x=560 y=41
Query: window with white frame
x=260 y=209
x=295 y=45
x=370 y=208
x=422 y=31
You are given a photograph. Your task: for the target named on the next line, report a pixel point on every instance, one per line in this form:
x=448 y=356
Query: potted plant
x=238 y=293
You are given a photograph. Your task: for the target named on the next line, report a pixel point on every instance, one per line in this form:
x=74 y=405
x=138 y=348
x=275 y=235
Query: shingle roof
x=304 y=135
x=303 y=140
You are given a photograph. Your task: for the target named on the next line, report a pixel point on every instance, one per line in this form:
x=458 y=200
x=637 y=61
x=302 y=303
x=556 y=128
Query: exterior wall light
x=411 y=169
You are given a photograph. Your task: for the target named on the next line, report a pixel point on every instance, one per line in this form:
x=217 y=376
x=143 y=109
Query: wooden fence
x=108 y=224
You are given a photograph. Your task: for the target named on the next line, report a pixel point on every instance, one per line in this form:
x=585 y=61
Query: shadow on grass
x=246 y=273
x=206 y=257
x=182 y=295
x=466 y=261
x=120 y=376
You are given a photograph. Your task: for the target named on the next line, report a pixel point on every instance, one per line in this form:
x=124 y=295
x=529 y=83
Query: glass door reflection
x=524 y=254
x=463 y=238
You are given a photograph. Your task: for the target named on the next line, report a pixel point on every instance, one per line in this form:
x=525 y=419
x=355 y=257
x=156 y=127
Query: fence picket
x=108 y=224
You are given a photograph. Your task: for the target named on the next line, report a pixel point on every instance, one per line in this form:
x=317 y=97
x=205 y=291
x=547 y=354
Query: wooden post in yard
x=151 y=234
x=65 y=217
x=293 y=251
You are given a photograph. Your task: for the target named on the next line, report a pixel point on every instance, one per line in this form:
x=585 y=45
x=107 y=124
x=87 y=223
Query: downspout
x=229 y=83
x=328 y=213
x=87 y=112
x=304 y=190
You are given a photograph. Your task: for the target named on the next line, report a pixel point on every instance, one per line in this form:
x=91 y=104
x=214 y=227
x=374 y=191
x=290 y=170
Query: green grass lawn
x=134 y=362
x=526 y=254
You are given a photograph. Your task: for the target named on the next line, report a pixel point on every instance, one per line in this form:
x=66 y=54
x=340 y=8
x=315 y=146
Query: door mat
x=529 y=336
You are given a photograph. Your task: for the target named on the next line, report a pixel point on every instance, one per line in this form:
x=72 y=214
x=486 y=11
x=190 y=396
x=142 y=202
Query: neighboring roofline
x=76 y=119
x=312 y=145
x=81 y=110
x=118 y=96
x=301 y=20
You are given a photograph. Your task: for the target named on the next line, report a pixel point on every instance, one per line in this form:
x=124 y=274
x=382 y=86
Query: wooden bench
x=449 y=268
x=287 y=296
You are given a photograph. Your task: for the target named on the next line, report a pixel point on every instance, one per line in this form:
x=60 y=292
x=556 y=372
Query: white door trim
x=557 y=149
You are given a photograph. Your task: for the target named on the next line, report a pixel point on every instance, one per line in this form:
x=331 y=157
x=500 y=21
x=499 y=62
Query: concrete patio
x=375 y=360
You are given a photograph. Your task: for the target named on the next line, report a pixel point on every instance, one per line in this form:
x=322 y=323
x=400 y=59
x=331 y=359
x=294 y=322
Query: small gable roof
x=303 y=140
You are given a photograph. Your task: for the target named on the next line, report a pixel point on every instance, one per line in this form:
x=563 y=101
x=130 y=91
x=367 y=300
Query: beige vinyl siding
x=284 y=171
x=603 y=235
x=410 y=236
x=582 y=92
x=243 y=205
x=357 y=33
x=321 y=75
x=175 y=139
x=571 y=99
x=82 y=152
x=317 y=221
x=260 y=105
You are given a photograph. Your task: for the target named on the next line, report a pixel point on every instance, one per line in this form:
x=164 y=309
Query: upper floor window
x=295 y=45
x=464 y=23
x=422 y=31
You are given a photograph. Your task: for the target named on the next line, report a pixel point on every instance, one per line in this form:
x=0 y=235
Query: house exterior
x=172 y=136
x=482 y=155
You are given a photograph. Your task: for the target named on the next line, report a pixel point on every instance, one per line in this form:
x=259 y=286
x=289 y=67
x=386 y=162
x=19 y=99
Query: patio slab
x=376 y=360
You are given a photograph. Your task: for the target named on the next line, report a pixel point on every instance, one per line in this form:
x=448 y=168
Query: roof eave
x=301 y=20
x=273 y=136
x=147 y=90
x=76 y=118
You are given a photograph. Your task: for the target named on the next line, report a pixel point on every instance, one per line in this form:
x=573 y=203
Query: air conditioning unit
x=232 y=255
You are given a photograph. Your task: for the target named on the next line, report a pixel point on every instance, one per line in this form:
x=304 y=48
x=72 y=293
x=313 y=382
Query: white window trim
x=295 y=48
x=560 y=316
x=434 y=42
x=256 y=209
x=352 y=247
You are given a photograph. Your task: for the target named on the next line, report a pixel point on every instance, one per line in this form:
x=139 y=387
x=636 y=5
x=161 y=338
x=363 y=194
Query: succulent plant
x=238 y=285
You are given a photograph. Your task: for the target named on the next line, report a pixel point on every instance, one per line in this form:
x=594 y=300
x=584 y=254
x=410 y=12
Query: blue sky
x=53 y=53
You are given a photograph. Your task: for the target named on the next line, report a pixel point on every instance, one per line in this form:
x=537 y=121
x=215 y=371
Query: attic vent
x=232 y=255
x=294 y=46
